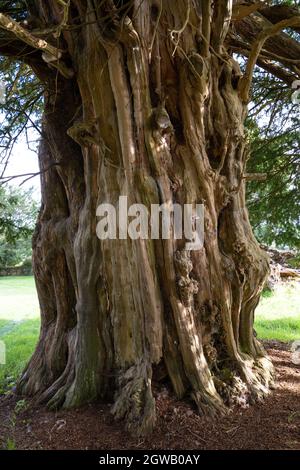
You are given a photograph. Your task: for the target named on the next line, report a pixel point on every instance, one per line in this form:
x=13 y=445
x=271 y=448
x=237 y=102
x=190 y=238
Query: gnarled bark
x=113 y=311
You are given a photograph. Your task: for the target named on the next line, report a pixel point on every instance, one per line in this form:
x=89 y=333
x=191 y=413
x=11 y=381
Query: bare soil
x=273 y=424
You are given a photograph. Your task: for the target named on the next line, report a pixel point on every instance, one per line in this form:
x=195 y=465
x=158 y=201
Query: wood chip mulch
x=273 y=424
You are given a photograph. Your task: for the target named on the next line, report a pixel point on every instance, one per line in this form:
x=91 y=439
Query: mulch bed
x=273 y=424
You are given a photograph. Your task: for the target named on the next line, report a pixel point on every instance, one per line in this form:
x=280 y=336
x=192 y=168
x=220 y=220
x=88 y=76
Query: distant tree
x=18 y=214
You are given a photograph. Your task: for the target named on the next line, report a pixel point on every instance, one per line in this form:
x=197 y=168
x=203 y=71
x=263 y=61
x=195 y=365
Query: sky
x=23 y=160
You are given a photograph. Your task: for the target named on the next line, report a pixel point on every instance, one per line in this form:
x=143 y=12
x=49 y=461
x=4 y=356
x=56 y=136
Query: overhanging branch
x=245 y=82
x=50 y=54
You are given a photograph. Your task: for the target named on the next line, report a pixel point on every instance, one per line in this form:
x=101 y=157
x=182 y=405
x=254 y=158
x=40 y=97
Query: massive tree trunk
x=153 y=111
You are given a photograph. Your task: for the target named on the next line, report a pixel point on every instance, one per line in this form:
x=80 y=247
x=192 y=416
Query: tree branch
x=206 y=30
x=51 y=54
x=221 y=21
x=246 y=80
x=27 y=176
x=267 y=60
x=276 y=13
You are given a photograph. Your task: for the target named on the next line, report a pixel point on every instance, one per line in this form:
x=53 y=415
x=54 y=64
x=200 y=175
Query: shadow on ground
x=273 y=424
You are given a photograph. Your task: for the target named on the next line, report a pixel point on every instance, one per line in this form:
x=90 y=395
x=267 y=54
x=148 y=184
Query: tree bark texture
x=153 y=112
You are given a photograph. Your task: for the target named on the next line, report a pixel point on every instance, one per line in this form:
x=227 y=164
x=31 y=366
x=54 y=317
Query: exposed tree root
x=134 y=400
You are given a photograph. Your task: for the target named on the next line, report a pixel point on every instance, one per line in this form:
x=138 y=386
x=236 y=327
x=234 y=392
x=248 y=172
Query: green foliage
x=21 y=406
x=273 y=129
x=295 y=261
x=274 y=134
x=16 y=253
x=18 y=213
x=22 y=109
x=20 y=114
x=16 y=9
x=10 y=444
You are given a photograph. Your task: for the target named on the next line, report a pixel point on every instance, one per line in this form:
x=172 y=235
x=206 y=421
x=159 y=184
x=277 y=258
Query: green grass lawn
x=278 y=313
x=19 y=325
x=18 y=299
x=277 y=317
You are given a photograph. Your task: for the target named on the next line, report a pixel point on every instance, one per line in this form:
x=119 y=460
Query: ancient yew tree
x=145 y=98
